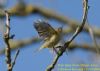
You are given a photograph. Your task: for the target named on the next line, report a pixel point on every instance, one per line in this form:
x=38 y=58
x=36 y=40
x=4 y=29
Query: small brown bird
x=49 y=34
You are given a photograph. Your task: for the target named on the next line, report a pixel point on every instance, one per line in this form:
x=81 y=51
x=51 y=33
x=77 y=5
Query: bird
x=50 y=36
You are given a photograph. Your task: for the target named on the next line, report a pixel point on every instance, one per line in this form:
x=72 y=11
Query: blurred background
x=58 y=13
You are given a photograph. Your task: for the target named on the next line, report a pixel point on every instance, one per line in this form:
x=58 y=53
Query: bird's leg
x=60 y=47
x=55 y=50
x=63 y=41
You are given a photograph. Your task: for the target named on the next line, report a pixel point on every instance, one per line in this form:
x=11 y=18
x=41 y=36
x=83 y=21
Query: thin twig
x=78 y=30
x=6 y=38
x=16 y=55
x=93 y=38
x=91 y=32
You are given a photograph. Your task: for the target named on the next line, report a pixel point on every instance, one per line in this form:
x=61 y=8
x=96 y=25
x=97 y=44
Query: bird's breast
x=53 y=41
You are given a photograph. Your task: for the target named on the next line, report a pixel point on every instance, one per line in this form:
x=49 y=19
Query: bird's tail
x=38 y=49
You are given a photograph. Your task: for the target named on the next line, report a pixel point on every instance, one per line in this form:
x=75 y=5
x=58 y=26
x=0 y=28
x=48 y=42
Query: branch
x=24 y=10
x=17 y=53
x=84 y=46
x=15 y=44
x=78 y=30
x=7 y=38
x=93 y=39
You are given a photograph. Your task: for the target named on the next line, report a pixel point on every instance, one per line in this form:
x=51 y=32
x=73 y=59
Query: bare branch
x=93 y=39
x=78 y=30
x=15 y=44
x=20 y=10
x=6 y=38
x=16 y=55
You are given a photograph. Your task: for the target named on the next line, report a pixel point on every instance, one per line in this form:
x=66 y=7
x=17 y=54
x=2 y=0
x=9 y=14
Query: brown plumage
x=48 y=33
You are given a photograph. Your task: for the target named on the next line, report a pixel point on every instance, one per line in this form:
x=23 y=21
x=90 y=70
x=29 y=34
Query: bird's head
x=60 y=29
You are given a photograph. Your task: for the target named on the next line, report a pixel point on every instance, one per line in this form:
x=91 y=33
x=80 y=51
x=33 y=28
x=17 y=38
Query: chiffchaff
x=48 y=33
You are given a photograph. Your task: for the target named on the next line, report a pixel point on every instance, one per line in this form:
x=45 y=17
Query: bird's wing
x=44 y=29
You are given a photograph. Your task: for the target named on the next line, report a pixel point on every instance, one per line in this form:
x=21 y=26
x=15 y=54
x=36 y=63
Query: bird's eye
x=60 y=29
